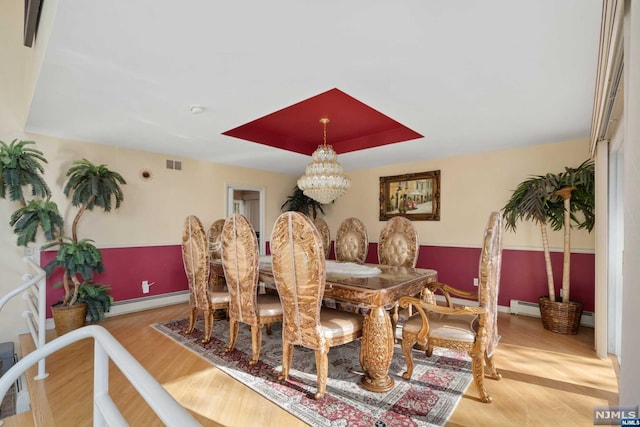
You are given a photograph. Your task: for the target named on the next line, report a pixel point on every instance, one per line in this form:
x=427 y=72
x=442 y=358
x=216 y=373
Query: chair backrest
x=352 y=243
x=489 y=277
x=299 y=273
x=195 y=258
x=214 y=237
x=398 y=244
x=240 y=261
x=323 y=229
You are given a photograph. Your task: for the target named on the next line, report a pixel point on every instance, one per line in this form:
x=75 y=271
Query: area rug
x=428 y=399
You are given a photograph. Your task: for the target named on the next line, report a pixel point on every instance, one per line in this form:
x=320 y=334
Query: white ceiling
x=470 y=75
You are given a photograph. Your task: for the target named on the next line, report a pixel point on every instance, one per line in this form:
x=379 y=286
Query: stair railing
x=34 y=293
x=106 y=347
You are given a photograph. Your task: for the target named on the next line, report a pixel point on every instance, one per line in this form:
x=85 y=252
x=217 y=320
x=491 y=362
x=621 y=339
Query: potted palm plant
x=561 y=201
x=299 y=202
x=88 y=186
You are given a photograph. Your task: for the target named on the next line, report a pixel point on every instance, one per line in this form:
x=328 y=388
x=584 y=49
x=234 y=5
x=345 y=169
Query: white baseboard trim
x=139 y=304
x=134 y=305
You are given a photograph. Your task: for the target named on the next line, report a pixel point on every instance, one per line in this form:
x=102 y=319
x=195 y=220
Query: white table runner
x=346 y=268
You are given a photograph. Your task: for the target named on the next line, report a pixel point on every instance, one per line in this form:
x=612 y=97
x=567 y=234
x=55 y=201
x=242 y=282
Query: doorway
x=249 y=201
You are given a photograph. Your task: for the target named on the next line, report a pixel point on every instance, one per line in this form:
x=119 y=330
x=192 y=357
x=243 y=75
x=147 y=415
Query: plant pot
x=560 y=317
x=68 y=318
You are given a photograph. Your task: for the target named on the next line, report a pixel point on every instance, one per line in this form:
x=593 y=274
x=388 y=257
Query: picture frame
x=415 y=196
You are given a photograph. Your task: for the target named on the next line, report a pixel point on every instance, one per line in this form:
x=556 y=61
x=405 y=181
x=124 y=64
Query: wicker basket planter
x=67 y=319
x=560 y=317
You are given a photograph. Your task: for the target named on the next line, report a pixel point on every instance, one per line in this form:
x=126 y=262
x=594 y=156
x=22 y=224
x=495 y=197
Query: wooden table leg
x=376 y=350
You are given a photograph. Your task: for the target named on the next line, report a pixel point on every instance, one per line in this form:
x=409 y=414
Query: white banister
x=107 y=347
x=30 y=281
x=38 y=330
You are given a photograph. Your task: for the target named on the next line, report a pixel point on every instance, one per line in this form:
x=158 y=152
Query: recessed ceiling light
x=196 y=109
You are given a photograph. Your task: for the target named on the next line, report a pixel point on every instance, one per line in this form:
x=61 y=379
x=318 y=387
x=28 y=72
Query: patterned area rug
x=428 y=399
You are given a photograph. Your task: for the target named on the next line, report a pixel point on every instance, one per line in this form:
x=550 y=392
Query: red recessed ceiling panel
x=352 y=126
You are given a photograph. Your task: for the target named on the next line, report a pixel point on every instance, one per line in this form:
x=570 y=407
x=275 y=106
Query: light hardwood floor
x=548 y=379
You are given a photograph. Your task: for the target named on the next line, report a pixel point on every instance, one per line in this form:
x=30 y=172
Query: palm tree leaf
x=299 y=202
x=21 y=166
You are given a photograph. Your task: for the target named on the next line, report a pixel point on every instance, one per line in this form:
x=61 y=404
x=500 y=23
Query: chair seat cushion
x=459 y=328
x=269 y=305
x=219 y=296
x=338 y=323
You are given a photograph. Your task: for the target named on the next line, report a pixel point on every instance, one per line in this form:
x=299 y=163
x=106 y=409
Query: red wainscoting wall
x=523 y=272
x=126 y=268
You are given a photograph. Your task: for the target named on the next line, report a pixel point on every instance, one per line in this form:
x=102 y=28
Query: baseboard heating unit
x=532 y=309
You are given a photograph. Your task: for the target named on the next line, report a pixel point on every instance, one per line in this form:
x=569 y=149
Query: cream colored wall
x=471 y=187
x=154 y=210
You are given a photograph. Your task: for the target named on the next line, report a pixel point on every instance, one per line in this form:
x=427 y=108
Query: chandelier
x=323 y=179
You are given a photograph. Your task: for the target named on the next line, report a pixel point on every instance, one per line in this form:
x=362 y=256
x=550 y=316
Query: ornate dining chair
x=473 y=329
x=352 y=243
x=214 y=238
x=299 y=273
x=325 y=233
x=240 y=261
x=398 y=246
x=202 y=297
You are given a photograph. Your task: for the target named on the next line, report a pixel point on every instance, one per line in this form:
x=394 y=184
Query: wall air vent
x=174 y=164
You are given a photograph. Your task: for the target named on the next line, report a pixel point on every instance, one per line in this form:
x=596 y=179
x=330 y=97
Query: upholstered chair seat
x=458 y=328
x=337 y=324
x=219 y=295
x=203 y=296
x=469 y=328
x=299 y=272
x=240 y=260
x=269 y=305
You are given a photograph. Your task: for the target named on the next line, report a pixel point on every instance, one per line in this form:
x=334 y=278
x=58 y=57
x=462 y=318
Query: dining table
x=373 y=289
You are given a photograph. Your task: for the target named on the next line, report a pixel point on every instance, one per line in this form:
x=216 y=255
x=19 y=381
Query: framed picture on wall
x=414 y=195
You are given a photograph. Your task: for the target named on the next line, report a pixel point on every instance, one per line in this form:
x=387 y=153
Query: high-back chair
x=299 y=273
x=352 y=242
x=470 y=328
x=214 y=238
x=398 y=246
x=241 y=262
x=325 y=233
x=202 y=297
